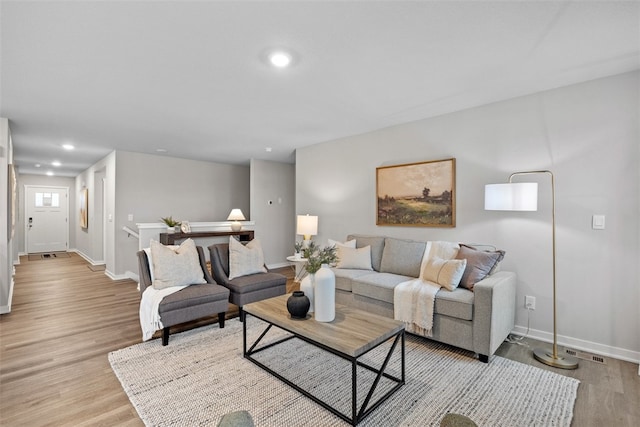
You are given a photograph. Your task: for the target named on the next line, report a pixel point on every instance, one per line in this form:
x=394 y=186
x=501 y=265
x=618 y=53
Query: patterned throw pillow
x=176 y=267
x=245 y=260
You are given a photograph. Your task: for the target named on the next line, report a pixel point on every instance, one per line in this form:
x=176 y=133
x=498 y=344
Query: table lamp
x=236 y=216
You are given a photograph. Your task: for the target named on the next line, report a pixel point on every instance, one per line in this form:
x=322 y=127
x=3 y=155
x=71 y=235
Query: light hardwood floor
x=66 y=318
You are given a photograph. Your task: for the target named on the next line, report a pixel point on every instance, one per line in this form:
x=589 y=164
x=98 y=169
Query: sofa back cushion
x=377 y=246
x=402 y=257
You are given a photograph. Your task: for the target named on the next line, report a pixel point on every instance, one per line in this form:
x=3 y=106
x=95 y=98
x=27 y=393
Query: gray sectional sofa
x=478 y=320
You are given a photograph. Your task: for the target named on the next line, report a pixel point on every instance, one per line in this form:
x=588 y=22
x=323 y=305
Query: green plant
x=317 y=256
x=170 y=221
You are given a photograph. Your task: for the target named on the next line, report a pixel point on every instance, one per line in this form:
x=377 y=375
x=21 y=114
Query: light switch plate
x=597 y=222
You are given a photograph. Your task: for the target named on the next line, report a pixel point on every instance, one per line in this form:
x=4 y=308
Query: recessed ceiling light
x=280 y=59
x=268 y=149
x=56 y=163
x=49 y=173
x=161 y=150
x=68 y=146
x=37 y=165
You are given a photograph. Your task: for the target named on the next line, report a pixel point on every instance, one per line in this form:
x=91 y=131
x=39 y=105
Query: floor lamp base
x=563 y=362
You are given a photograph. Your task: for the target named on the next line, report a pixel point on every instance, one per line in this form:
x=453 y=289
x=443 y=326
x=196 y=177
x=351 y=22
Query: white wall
x=587 y=134
x=45 y=181
x=89 y=242
x=275 y=222
x=6 y=240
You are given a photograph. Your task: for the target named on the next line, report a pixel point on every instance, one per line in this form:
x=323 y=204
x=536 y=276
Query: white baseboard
x=278 y=265
x=87 y=257
x=583 y=345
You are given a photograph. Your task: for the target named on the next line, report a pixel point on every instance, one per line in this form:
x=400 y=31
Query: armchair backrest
x=144 y=269
x=219 y=256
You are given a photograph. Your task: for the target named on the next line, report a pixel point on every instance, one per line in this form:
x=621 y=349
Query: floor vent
x=586 y=356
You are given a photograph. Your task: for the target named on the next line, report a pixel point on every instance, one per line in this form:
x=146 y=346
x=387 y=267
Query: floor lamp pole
x=543 y=355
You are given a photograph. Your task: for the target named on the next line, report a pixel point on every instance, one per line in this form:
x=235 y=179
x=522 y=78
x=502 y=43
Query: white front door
x=46 y=219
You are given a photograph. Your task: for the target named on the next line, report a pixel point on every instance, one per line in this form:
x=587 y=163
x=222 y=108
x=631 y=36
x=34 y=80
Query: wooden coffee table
x=352 y=334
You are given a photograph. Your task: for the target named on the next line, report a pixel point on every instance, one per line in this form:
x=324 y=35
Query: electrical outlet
x=529 y=302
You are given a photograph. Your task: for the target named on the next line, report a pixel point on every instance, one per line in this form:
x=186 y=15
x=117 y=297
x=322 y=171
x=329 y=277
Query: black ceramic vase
x=298 y=305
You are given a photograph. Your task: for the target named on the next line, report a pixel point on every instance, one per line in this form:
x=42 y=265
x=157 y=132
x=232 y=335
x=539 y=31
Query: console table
x=171 y=238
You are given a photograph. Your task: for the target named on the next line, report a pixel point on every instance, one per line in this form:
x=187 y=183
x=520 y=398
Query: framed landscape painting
x=417 y=194
x=84 y=208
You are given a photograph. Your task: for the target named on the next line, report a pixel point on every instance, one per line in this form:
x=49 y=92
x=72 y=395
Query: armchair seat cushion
x=194 y=295
x=244 y=289
x=254 y=282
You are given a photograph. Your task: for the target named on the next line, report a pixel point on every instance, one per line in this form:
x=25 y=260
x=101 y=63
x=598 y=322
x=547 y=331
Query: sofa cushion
x=377 y=245
x=378 y=286
x=479 y=264
x=457 y=303
x=344 y=277
x=354 y=258
x=402 y=257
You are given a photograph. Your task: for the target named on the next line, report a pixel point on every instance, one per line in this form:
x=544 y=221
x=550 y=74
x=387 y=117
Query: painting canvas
x=84 y=208
x=417 y=194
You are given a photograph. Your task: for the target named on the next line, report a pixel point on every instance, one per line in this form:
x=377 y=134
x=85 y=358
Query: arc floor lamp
x=523 y=196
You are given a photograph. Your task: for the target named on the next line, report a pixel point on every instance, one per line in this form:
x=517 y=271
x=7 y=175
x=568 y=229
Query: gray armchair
x=190 y=303
x=244 y=289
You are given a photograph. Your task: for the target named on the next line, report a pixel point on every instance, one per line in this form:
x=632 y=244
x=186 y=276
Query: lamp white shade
x=236 y=215
x=307 y=225
x=514 y=196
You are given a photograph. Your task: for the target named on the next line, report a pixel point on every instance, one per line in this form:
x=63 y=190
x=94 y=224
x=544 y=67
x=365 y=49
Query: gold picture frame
x=84 y=208
x=417 y=194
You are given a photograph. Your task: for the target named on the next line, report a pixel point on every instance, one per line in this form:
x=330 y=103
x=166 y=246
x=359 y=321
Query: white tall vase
x=306 y=286
x=325 y=294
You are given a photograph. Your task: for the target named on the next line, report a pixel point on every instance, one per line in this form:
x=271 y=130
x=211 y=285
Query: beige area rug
x=48 y=255
x=201 y=375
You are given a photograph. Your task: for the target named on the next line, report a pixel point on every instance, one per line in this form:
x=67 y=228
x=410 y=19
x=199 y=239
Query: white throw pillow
x=445 y=272
x=348 y=244
x=150 y=260
x=175 y=267
x=245 y=260
x=359 y=258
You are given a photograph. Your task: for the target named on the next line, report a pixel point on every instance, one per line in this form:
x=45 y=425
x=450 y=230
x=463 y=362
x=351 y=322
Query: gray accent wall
x=273 y=209
x=150 y=187
x=587 y=134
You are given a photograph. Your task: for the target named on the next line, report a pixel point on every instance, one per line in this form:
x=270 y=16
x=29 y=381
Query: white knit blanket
x=149 y=309
x=413 y=303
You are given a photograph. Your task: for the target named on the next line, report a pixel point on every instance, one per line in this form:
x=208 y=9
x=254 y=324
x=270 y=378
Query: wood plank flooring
x=66 y=318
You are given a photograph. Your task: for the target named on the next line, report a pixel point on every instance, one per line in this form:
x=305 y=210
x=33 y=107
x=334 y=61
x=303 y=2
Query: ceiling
x=192 y=77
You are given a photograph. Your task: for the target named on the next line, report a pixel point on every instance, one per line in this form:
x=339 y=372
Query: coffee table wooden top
x=353 y=332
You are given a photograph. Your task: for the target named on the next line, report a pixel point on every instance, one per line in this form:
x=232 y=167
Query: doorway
x=46 y=219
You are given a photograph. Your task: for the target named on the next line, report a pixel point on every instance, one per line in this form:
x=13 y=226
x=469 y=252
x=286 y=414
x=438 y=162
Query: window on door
x=49 y=200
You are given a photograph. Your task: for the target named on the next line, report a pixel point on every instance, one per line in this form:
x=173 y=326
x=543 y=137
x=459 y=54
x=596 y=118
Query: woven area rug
x=201 y=375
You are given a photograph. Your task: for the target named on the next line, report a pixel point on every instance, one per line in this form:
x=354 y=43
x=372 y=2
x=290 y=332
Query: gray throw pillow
x=479 y=264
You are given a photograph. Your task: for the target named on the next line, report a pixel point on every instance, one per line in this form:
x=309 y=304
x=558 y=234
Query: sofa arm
x=494 y=311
